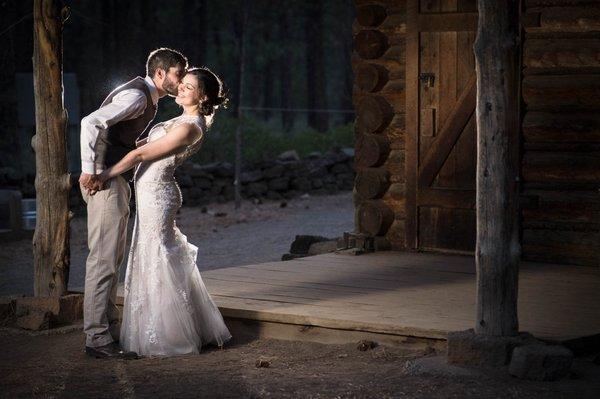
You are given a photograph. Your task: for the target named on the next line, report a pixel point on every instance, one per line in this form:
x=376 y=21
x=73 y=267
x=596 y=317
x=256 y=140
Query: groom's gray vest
x=121 y=137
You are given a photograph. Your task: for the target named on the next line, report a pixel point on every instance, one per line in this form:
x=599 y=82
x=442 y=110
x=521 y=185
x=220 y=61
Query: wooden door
x=440 y=121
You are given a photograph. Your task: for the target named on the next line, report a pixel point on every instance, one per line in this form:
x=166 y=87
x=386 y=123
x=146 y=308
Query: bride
x=167 y=309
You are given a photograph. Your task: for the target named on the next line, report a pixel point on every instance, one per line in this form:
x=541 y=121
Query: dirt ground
x=225 y=237
x=55 y=366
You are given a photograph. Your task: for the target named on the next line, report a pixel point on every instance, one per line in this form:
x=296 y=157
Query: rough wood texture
x=372 y=182
x=374 y=217
x=582 y=18
x=372 y=150
x=395 y=292
x=374 y=114
x=371 y=15
x=561 y=53
x=561 y=132
x=544 y=166
x=497 y=252
x=52 y=181
x=562 y=93
x=370 y=77
x=546 y=127
x=380 y=32
x=371 y=44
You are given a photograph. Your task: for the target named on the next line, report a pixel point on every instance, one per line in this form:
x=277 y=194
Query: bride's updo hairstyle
x=211 y=86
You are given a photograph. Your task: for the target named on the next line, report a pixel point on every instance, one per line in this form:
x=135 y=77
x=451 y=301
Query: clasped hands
x=92 y=183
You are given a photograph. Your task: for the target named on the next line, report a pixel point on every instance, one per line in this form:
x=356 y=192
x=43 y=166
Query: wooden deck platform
x=397 y=296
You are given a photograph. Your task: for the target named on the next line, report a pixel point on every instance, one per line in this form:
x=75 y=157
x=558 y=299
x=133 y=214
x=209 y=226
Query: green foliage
x=261 y=141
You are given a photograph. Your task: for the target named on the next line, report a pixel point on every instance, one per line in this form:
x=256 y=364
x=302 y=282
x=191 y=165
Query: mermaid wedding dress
x=167 y=309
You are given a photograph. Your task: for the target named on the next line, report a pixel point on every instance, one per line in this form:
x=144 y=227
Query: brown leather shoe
x=111 y=350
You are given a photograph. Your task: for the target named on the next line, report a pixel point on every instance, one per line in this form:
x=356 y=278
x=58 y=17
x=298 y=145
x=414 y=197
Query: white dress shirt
x=127 y=104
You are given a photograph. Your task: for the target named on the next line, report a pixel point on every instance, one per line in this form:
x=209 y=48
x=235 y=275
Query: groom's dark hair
x=164 y=58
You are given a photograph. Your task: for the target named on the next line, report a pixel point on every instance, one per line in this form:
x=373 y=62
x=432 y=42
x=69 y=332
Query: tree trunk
x=239 y=30
x=315 y=67
x=52 y=182
x=285 y=68
x=108 y=44
x=497 y=251
x=347 y=46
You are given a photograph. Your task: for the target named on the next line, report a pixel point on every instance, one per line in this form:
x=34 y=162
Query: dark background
x=297 y=55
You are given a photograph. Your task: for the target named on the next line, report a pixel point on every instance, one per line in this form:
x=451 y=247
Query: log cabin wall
x=561 y=131
x=560 y=137
x=378 y=63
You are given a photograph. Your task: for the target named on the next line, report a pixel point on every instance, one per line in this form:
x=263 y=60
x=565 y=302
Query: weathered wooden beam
x=561 y=53
x=372 y=183
x=497 y=249
x=374 y=217
x=551 y=127
x=563 y=93
x=371 y=150
x=370 y=77
x=583 y=18
x=412 y=123
x=52 y=182
x=370 y=43
x=374 y=113
x=370 y=15
x=542 y=166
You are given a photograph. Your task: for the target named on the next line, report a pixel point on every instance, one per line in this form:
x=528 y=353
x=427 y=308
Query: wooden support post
x=497 y=252
x=52 y=181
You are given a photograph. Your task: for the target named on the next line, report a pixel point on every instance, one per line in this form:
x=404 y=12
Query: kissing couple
x=167 y=308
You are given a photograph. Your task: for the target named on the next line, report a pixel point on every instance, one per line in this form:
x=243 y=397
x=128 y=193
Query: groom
x=107 y=134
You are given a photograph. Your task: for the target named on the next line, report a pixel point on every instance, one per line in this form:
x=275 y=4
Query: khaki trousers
x=108 y=213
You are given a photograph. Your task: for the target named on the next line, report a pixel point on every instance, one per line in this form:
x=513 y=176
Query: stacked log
x=378 y=63
x=561 y=132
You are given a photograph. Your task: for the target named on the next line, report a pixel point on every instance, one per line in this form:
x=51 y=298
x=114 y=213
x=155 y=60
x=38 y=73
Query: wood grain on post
x=52 y=182
x=497 y=249
x=374 y=217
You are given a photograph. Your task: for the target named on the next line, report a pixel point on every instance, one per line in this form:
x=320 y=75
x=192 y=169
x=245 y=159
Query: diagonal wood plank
x=449 y=134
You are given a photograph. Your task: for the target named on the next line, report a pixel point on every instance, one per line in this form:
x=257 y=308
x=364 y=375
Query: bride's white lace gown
x=167 y=309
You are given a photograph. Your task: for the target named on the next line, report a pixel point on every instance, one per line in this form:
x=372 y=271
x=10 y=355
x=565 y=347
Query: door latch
x=427 y=78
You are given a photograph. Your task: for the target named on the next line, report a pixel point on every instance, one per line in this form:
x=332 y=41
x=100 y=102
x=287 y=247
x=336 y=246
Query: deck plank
x=410 y=294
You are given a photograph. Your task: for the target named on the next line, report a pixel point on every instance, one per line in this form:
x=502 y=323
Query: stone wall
x=286 y=177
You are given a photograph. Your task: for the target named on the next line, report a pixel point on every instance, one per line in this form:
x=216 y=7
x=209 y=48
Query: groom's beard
x=170 y=87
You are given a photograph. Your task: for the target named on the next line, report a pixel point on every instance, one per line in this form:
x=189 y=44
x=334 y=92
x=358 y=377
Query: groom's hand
x=91 y=183
x=95 y=185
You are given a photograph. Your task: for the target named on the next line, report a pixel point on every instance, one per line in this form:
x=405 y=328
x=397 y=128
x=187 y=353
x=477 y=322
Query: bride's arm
x=175 y=138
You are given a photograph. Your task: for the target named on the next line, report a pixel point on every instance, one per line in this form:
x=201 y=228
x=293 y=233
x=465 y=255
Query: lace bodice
x=163 y=169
